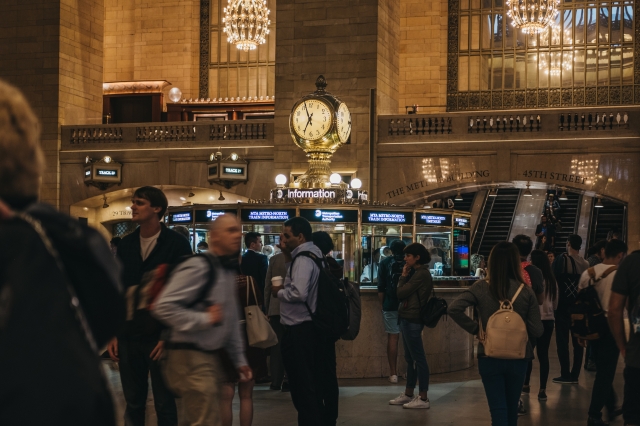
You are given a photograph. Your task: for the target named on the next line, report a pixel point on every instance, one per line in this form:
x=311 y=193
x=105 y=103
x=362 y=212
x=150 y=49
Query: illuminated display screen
x=462 y=222
x=255 y=215
x=433 y=219
x=399 y=218
x=461 y=252
x=109 y=173
x=234 y=170
x=180 y=217
x=209 y=215
x=87 y=172
x=336 y=216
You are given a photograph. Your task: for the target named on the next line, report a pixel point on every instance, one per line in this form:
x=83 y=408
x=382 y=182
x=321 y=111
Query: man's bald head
x=225 y=235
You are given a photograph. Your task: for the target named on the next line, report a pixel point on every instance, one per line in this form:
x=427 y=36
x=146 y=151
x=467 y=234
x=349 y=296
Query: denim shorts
x=391 y=322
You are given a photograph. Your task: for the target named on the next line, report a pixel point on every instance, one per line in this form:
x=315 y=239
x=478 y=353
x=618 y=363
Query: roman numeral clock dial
x=311 y=119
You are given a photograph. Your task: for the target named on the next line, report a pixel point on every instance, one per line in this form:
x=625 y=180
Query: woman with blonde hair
x=502 y=378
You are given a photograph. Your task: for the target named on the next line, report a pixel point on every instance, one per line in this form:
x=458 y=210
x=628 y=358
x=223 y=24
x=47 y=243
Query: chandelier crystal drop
x=532 y=16
x=246 y=23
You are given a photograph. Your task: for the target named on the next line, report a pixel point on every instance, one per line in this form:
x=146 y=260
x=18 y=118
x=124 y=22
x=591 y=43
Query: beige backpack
x=506 y=336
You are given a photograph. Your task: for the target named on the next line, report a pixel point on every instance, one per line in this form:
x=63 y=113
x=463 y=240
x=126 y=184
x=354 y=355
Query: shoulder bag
x=259 y=331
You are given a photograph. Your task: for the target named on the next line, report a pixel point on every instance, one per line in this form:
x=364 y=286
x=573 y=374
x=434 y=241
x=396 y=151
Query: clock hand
x=307 y=110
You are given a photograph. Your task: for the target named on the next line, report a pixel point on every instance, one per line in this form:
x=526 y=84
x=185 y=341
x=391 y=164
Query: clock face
x=311 y=119
x=343 y=122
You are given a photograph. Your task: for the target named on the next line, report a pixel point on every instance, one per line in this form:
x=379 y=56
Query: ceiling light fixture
x=532 y=16
x=221 y=197
x=459 y=197
x=246 y=23
x=527 y=193
x=105 y=205
x=493 y=192
x=599 y=204
x=191 y=194
x=563 y=196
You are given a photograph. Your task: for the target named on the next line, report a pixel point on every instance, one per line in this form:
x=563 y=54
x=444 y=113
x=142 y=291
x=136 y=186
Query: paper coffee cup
x=276 y=281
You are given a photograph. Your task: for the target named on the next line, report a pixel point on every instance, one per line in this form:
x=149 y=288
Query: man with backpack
x=138 y=347
x=604 y=349
x=388 y=277
x=625 y=293
x=567 y=269
x=308 y=353
x=199 y=304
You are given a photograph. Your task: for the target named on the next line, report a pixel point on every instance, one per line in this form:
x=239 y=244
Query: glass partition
x=270 y=236
x=437 y=241
x=376 y=240
x=344 y=242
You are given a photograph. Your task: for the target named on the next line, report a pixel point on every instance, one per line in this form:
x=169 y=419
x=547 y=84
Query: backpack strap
x=606 y=273
x=318 y=261
x=515 y=296
x=204 y=291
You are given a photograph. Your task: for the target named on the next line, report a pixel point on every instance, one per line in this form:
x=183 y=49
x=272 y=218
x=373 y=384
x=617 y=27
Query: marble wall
x=447 y=346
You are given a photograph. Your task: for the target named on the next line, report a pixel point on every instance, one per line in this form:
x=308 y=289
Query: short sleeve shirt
x=627 y=283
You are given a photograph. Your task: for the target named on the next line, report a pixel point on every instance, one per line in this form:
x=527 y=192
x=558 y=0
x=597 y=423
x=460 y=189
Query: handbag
x=433 y=310
x=259 y=331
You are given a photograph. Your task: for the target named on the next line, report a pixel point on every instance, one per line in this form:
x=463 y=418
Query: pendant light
x=527 y=193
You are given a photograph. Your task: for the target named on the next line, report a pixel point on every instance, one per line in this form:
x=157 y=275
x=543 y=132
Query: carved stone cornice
x=128 y=87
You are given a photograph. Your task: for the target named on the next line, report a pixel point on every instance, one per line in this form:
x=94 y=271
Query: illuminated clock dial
x=311 y=119
x=343 y=122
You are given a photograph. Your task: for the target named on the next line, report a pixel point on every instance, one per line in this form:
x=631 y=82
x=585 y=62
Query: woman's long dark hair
x=504 y=266
x=541 y=260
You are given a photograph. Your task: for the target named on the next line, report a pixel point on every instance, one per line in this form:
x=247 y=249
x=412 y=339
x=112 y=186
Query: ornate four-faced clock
x=319 y=124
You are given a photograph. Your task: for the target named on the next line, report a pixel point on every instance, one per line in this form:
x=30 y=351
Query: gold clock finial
x=321 y=84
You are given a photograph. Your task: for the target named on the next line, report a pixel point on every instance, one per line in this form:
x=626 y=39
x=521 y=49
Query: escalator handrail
x=484 y=231
x=477 y=225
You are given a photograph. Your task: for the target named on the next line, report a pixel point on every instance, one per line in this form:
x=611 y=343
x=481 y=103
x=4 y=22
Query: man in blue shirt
x=309 y=357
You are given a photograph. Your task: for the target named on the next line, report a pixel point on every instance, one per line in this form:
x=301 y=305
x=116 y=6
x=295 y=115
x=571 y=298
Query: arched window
x=585 y=59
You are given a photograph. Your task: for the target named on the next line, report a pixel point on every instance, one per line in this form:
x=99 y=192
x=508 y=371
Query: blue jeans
x=417 y=367
x=503 y=380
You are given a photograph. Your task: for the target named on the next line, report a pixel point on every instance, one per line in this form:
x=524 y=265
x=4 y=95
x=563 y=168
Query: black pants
x=276 y=364
x=542 y=350
x=563 y=335
x=631 y=406
x=605 y=354
x=135 y=368
x=310 y=361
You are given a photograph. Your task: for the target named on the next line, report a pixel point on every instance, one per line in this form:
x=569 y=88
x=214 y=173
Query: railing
x=469 y=126
x=169 y=133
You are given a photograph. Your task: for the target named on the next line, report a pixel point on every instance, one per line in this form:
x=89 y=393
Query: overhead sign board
x=181 y=217
x=212 y=214
x=433 y=219
x=389 y=218
x=331 y=216
x=462 y=222
x=260 y=215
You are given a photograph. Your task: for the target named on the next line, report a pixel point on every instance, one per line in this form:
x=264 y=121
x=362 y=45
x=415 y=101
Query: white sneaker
x=417 y=402
x=401 y=400
x=393 y=379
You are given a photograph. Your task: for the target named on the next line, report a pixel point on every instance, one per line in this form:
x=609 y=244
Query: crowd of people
x=184 y=319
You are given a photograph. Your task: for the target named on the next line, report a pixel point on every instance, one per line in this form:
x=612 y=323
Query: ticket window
x=376 y=242
x=438 y=241
x=270 y=237
x=200 y=234
x=344 y=245
x=193 y=238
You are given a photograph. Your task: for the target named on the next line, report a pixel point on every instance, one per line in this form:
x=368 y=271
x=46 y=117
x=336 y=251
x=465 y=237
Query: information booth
x=361 y=234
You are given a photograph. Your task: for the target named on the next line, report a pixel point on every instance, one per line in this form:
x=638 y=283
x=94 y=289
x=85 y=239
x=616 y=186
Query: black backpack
x=567 y=284
x=332 y=315
x=588 y=318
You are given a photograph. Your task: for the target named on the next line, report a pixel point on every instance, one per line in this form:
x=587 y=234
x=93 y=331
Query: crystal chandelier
x=558 y=62
x=246 y=23
x=532 y=16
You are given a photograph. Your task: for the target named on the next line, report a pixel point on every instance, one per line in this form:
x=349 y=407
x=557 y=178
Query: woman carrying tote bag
x=501 y=291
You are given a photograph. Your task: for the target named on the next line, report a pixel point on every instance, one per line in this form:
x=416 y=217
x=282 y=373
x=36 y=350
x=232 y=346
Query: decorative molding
x=128 y=87
x=205 y=34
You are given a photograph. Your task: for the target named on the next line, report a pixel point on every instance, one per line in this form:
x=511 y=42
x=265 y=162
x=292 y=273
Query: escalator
x=495 y=221
x=570 y=210
x=610 y=217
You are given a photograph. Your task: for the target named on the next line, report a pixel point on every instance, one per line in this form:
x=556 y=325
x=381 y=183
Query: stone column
x=53 y=53
x=354 y=47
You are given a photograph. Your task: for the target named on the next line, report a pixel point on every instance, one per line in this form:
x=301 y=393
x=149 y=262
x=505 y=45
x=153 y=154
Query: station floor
x=456 y=399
